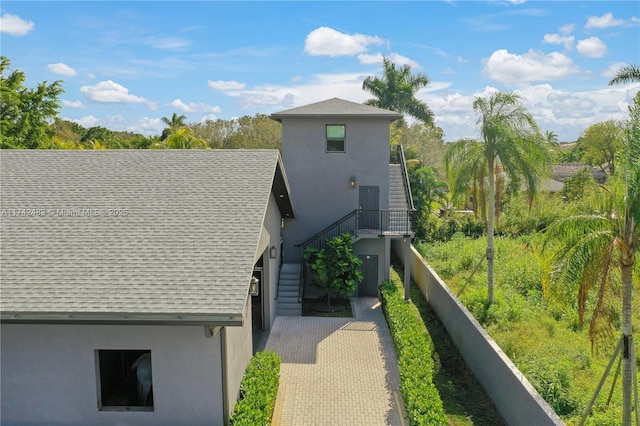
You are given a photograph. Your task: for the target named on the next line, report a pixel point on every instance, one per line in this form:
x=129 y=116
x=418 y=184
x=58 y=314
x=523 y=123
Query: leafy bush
x=335 y=268
x=258 y=391
x=422 y=400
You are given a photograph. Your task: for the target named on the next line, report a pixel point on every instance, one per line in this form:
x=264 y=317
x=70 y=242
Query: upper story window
x=335 y=137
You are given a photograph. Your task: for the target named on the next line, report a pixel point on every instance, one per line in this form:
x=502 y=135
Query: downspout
x=225 y=382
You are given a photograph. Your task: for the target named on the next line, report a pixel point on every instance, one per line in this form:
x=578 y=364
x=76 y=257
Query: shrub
x=422 y=400
x=335 y=268
x=258 y=391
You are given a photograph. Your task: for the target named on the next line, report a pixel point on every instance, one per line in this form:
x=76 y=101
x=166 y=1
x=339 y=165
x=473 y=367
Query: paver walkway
x=337 y=371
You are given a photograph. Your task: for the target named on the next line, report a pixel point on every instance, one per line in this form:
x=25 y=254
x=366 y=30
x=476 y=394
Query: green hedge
x=421 y=398
x=258 y=391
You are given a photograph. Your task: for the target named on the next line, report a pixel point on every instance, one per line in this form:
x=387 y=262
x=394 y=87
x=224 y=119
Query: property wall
x=239 y=349
x=515 y=398
x=48 y=374
x=319 y=180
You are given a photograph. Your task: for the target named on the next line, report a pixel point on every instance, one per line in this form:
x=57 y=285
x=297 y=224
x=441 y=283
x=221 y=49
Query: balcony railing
x=359 y=223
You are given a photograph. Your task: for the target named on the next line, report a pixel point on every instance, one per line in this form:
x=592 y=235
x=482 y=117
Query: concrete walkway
x=337 y=371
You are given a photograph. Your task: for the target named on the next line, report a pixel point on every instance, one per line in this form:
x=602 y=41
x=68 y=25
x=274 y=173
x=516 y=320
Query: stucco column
x=407 y=268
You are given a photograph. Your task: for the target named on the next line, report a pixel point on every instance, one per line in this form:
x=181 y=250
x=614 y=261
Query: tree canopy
x=396 y=91
x=511 y=142
x=25 y=113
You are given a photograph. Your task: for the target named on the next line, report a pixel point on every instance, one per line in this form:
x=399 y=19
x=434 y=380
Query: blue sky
x=127 y=64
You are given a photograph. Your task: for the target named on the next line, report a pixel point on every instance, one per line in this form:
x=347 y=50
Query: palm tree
x=512 y=143
x=396 y=91
x=551 y=137
x=181 y=139
x=174 y=123
x=590 y=249
x=625 y=75
x=466 y=171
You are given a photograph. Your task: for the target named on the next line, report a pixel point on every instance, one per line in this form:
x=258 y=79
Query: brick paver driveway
x=337 y=371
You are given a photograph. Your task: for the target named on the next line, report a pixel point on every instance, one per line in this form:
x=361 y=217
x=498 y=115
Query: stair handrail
x=405 y=178
x=322 y=234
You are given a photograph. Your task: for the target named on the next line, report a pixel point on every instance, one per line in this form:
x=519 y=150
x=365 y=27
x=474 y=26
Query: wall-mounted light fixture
x=273 y=252
x=254 y=287
x=352 y=181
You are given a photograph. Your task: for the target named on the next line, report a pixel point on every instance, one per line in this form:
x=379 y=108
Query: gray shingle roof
x=336 y=107
x=185 y=247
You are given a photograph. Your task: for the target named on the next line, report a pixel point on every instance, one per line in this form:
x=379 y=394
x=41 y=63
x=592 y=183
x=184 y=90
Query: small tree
x=335 y=268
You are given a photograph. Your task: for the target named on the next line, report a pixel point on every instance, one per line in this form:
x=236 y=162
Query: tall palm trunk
x=627 y=372
x=490 y=226
x=627 y=261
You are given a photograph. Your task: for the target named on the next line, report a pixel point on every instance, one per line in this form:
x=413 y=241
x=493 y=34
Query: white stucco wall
x=48 y=374
x=319 y=180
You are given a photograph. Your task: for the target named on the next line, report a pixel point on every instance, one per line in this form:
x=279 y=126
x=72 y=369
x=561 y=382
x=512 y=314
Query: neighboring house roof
x=336 y=107
x=183 y=252
x=563 y=171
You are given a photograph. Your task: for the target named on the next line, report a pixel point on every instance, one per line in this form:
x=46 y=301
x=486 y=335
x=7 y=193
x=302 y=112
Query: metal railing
x=405 y=178
x=358 y=223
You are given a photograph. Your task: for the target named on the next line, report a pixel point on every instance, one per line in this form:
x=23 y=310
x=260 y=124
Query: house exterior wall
x=272 y=222
x=49 y=374
x=238 y=349
x=319 y=180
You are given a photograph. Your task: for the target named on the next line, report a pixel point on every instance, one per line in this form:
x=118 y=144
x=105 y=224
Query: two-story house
x=337 y=157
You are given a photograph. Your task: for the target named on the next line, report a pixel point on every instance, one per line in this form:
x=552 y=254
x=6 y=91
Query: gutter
x=120 y=318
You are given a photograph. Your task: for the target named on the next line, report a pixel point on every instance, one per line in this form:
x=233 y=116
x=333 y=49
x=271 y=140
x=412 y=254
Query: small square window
x=124 y=380
x=336 y=134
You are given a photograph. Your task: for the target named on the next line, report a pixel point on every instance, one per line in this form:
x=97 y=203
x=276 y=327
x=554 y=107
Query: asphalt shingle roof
x=337 y=107
x=184 y=249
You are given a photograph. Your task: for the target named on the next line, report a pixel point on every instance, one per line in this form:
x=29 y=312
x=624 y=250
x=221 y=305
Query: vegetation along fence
x=515 y=398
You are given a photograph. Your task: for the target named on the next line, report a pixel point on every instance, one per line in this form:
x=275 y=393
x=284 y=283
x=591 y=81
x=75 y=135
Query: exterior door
x=369 y=285
x=370 y=206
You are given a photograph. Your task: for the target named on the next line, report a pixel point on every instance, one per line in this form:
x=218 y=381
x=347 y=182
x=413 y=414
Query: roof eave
x=120 y=318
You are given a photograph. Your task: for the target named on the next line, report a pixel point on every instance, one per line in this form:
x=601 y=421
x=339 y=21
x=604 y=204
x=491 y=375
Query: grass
x=540 y=336
x=463 y=398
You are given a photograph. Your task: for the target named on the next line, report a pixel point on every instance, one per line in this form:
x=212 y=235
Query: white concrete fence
x=515 y=398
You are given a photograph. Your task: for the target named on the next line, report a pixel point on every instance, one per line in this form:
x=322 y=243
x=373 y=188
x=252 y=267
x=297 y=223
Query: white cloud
x=62 y=69
x=566 y=29
x=605 y=21
x=111 y=92
x=510 y=68
x=87 y=121
x=566 y=113
x=167 y=42
x=14 y=25
x=325 y=41
x=592 y=47
x=565 y=40
x=397 y=59
x=612 y=69
x=223 y=86
x=193 y=107
x=72 y=104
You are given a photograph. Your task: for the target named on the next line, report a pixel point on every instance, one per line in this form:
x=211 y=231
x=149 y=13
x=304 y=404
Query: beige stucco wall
x=48 y=374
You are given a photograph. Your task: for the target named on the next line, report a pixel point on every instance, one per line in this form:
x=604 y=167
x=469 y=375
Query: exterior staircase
x=289 y=287
x=397 y=193
x=397 y=199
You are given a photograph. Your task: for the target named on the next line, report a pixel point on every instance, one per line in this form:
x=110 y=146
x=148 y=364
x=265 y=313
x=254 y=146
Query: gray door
x=369 y=285
x=370 y=206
